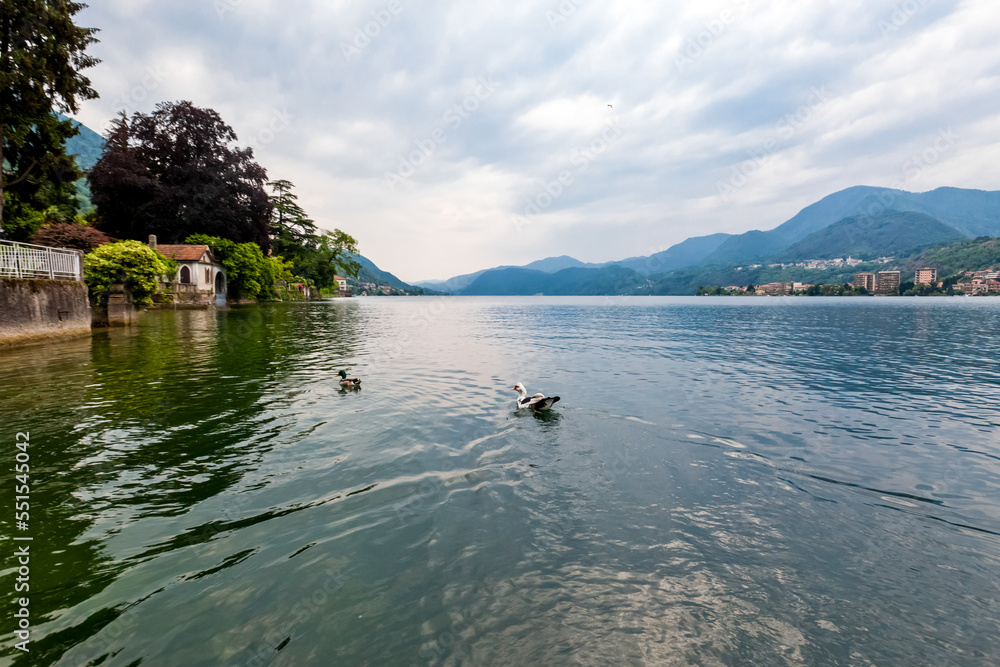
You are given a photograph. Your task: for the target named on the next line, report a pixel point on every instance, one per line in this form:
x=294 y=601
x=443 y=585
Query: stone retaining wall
x=34 y=309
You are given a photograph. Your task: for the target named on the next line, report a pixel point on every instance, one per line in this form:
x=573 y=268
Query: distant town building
x=342 y=288
x=925 y=276
x=775 y=289
x=887 y=283
x=866 y=280
x=978 y=286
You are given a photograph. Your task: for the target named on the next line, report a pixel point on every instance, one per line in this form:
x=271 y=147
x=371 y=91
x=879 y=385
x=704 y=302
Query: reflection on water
x=780 y=481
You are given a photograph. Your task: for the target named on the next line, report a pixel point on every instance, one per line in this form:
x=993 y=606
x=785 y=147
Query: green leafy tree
x=42 y=52
x=249 y=274
x=48 y=196
x=131 y=263
x=294 y=236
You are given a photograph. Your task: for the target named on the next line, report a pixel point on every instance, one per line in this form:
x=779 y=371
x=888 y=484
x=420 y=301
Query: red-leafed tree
x=177 y=172
x=70 y=235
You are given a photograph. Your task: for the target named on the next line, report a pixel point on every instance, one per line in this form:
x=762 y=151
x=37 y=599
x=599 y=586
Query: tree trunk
x=1 y=179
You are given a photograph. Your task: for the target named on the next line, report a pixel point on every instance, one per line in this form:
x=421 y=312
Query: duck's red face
x=516 y=387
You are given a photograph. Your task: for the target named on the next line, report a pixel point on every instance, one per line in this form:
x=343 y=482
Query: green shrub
x=132 y=263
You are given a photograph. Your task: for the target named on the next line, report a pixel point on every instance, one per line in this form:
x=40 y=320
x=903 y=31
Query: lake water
x=781 y=481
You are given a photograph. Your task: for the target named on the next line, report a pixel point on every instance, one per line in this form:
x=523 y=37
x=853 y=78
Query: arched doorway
x=185 y=275
x=220 y=288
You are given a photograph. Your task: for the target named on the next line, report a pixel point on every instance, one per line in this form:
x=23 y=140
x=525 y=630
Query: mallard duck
x=348 y=382
x=536 y=402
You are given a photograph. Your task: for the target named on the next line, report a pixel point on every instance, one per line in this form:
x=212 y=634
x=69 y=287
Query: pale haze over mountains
x=451 y=137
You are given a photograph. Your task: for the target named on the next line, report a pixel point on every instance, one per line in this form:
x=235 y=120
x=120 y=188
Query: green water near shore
x=789 y=482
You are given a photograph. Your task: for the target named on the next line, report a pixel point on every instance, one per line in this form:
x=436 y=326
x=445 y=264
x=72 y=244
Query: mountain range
x=861 y=222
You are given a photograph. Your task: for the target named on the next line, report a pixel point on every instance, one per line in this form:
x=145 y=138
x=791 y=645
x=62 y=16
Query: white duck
x=536 y=402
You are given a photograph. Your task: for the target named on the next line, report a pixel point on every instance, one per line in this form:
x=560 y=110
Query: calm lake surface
x=781 y=481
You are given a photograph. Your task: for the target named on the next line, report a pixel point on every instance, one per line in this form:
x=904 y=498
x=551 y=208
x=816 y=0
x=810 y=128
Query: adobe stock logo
x=130 y=100
x=581 y=159
x=278 y=123
x=786 y=128
x=453 y=118
x=901 y=15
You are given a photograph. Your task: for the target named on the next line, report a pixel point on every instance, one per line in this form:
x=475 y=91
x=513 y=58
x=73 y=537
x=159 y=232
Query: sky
x=449 y=137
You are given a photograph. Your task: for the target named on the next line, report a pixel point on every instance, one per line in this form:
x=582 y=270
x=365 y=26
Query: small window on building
x=208 y=276
x=185 y=275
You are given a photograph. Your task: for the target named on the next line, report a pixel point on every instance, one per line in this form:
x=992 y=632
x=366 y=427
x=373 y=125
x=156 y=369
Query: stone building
x=200 y=279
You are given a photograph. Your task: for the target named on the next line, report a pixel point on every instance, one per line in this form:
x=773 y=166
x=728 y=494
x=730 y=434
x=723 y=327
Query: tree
x=47 y=197
x=70 y=235
x=289 y=223
x=41 y=55
x=175 y=172
x=316 y=256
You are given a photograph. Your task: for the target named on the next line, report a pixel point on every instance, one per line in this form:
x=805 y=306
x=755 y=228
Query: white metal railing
x=24 y=260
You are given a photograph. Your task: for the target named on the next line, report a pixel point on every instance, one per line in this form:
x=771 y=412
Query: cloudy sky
x=453 y=136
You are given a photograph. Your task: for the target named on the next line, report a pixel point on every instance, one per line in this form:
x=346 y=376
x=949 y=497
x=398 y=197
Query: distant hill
x=608 y=280
x=548 y=265
x=370 y=273
x=757 y=245
x=687 y=253
x=977 y=254
x=972 y=212
x=452 y=285
x=885 y=234
x=86 y=146
x=553 y=264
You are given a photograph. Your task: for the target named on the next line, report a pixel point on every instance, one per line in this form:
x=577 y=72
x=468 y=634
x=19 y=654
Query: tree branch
x=7 y=184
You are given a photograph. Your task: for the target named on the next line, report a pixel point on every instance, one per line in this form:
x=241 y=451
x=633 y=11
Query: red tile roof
x=183 y=253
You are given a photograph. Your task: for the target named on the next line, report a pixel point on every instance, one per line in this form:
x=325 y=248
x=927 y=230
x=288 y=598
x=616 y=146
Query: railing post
x=48 y=260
